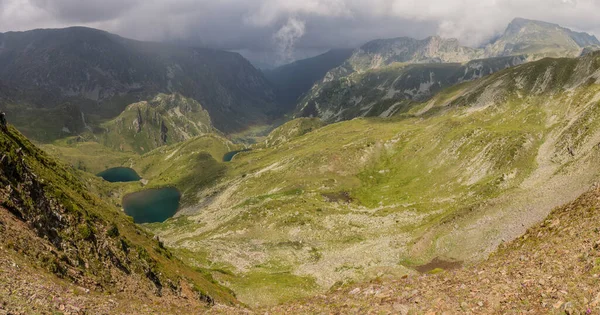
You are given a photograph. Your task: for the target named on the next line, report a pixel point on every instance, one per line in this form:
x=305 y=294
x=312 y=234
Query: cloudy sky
x=277 y=31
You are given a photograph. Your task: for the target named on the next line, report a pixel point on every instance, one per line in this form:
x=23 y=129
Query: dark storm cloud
x=81 y=11
x=284 y=28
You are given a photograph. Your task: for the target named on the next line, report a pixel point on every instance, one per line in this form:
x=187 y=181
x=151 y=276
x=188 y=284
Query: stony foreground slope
x=554 y=268
x=53 y=226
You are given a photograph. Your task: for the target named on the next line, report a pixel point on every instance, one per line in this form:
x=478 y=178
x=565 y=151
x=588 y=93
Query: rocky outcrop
x=165 y=119
x=391 y=90
x=383 y=52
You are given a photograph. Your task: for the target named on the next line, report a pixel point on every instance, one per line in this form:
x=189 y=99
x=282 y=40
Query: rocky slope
x=56 y=230
x=554 y=268
x=383 y=52
x=452 y=177
x=391 y=89
x=402 y=70
x=100 y=73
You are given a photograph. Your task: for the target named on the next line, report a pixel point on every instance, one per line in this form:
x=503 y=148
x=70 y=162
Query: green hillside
x=453 y=178
x=552 y=269
x=166 y=119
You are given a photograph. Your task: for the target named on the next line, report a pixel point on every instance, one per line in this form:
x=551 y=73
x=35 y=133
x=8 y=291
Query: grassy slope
x=452 y=177
x=87 y=156
x=554 y=268
x=291 y=130
x=74 y=234
x=188 y=166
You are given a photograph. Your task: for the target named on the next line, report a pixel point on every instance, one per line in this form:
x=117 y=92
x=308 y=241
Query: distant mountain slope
x=57 y=224
x=383 y=52
x=101 y=73
x=146 y=125
x=385 y=91
x=366 y=78
x=294 y=79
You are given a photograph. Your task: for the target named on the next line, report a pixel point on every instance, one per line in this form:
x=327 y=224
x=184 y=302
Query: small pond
x=229 y=155
x=152 y=205
x=119 y=175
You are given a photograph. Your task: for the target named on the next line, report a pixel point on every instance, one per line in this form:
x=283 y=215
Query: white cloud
x=286 y=38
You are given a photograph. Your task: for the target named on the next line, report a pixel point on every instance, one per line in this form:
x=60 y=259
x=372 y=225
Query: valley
x=317 y=206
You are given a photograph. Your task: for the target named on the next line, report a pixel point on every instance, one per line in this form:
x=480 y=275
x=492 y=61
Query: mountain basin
x=152 y=205
x=119 y=175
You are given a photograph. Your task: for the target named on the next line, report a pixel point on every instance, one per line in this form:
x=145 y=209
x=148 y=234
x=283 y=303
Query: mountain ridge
x=522 y=41
x=100 y=73
x=294 y=79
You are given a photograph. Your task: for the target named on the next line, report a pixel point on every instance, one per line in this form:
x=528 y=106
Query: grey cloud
x=81 y=11
x=252 y=26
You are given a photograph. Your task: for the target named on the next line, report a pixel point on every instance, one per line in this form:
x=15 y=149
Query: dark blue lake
x=119 y=175
x=229 y=155
x=152 y=205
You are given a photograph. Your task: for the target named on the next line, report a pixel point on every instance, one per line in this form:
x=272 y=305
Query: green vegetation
x=68 y=220
x=451 y=177
x=445 y=178
x=166 y=119
x=86 y=155
x=292 y=129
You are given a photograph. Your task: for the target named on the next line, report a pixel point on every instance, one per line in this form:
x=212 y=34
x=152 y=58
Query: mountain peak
x=521 y=22
x=540 y=39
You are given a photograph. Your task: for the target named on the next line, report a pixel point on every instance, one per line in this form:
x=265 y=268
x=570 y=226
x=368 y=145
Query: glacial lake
x=119 y=175
x=229 y=155
x=152 y=205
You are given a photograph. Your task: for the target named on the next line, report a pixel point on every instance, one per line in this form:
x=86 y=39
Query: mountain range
x=379 y=69
x=79 y=71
